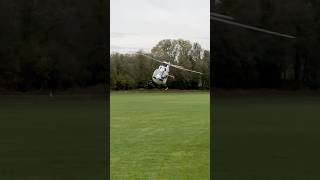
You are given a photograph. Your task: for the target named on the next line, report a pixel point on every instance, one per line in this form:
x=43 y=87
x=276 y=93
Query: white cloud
x=140 y=24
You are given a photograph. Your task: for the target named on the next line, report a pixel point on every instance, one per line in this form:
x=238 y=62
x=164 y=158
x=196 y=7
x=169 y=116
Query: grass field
x=266 y=138
x=160 y=136
x=60 y=138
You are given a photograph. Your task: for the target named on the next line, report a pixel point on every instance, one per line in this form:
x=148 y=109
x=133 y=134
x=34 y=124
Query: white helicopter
x=160 y=75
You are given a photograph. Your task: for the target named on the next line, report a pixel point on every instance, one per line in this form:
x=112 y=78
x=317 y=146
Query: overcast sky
x=141 y=24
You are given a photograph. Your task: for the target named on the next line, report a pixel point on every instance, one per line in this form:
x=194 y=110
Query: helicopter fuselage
x=160 y=75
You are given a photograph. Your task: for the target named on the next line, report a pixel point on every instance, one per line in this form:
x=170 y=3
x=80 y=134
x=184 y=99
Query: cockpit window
x=161 y=68
x=164 y=64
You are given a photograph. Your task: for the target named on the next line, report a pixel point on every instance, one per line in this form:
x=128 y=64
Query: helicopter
x=161 y=74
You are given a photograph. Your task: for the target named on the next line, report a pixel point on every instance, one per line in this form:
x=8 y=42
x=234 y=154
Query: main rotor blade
x=221 y=16
x=182 y=68
x=150 y=57
x=252 y=27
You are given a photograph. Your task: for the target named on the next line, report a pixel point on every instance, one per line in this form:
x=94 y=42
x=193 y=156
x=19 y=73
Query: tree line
x=48 y=45
x=247 y=59
x=132 y=71
x=57 y=45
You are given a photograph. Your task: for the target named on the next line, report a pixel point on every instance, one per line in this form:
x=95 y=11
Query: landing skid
x=152 y=85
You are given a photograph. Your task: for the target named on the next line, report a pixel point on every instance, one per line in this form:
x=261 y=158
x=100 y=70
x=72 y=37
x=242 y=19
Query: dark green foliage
x=248 y=59
x=52 y=44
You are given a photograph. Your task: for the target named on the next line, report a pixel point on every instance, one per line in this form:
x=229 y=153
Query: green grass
x=160 y=136
x=61 y=138
x=266 y=138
